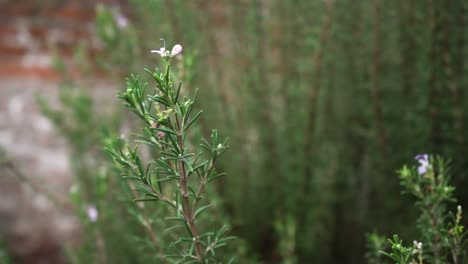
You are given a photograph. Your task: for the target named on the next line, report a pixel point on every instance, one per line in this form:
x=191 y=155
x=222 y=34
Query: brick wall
x=30 y=31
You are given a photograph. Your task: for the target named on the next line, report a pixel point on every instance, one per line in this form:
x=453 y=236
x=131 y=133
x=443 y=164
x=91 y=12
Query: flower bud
x=160 y=135
x=176 y=50
x=154 y=124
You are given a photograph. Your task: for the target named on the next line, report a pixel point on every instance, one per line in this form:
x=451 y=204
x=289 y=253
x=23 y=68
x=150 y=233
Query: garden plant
x=321 y=102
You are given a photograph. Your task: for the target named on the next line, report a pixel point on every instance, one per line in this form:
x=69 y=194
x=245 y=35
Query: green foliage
x=441 y=232
x=323 y=99
x=179 y=175
x=4 y=257
x=117 y=35
x=287 y=231
x=404 y=255
x=111 y=235
x=375 y=243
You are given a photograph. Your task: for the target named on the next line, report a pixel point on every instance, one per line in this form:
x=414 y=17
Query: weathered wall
x=30 y=32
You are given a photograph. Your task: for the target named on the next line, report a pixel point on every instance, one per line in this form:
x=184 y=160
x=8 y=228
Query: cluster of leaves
x=442 y=234
x=4 y=257
x=325 y=115
x=375 y=243
x=118 y=35
x=311 y=130
x=175 y=175
x=110 y=236
x=402 y=254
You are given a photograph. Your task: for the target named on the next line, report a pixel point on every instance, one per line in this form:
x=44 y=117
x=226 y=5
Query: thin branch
x=188 y=210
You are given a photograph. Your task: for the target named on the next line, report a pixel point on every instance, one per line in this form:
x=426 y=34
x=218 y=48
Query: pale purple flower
x=176 y=50
x=122 y=21
x=119 y=18
x=424 y=164
x=92 y=213
x=160 y=135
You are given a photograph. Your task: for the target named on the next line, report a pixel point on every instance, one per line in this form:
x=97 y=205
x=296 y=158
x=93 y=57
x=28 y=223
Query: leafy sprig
x=178 y=175
x=442 y=234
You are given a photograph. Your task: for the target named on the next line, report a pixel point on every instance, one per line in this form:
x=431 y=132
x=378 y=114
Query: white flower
x=161 y=51
x=92 y=213
x=176 y=50
x=417 y=244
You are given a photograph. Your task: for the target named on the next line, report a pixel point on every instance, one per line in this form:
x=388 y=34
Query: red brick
x=38 y=32
x=7 y=29
x=67 y=17
x=18 y=8
x=13 y=69
x=72 y=11
x=6 y=50
x=81 y=35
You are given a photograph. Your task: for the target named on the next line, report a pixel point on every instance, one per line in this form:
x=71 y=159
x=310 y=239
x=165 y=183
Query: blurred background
x=322 y=100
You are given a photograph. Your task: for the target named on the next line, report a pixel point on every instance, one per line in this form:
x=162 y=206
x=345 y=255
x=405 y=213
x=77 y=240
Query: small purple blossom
x=160 y=135
x=176 y=50
x=122 y=21
x=92 y=213
x=424 y=164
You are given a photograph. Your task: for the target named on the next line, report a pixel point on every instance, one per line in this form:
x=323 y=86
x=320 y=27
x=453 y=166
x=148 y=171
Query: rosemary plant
x=442 y=234
x=178 y=174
